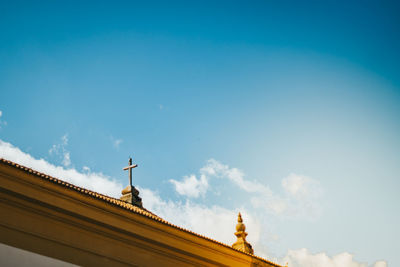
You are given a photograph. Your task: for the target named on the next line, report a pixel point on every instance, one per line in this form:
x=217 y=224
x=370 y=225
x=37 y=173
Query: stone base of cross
x=131 y=195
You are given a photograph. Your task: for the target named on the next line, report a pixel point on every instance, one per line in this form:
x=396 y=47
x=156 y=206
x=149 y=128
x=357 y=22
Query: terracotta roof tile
x=121 y=204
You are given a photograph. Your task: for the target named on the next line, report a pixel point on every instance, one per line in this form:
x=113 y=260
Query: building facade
x=47 y=216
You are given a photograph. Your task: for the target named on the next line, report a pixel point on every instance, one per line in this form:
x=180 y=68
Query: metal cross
x=130 y=167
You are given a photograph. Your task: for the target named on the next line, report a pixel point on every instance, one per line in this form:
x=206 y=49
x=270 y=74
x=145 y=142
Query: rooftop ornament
x=130 y=194
x=241 y=243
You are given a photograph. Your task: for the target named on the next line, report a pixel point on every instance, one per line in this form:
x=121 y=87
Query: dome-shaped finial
x=241 y=243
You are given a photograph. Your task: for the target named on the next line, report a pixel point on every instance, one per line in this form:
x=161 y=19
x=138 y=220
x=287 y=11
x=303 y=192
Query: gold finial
x=240 y=227
x=241 y=243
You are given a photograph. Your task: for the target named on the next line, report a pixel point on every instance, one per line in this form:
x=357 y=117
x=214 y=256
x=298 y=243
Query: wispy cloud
x=299 y=201
x=302 y=257
x=214 y=168
x=66 y=159
x=191 y=186
x=116 y=142
x=2 y=122
x=86 y=169
x=60 y=150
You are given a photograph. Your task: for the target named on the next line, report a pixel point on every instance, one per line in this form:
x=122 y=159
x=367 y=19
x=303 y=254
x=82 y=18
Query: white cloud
x=66 y=159
x=302 y=258
x=191 y=186
x=86 y=169
x=271 y=203
x=61 y=151
x=91 y=180
x=300 y=200
x=2 y=122
x=217 y=169
x=215 y=222
x=380 y=264
x=300 y=186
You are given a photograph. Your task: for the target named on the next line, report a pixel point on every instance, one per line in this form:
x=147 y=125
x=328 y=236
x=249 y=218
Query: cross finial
x=130 y=167
x=130 y=194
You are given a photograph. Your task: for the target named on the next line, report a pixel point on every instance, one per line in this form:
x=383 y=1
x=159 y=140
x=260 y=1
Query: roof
x=119 y=203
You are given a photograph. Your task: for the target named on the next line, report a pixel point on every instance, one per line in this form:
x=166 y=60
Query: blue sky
x=284 y=91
